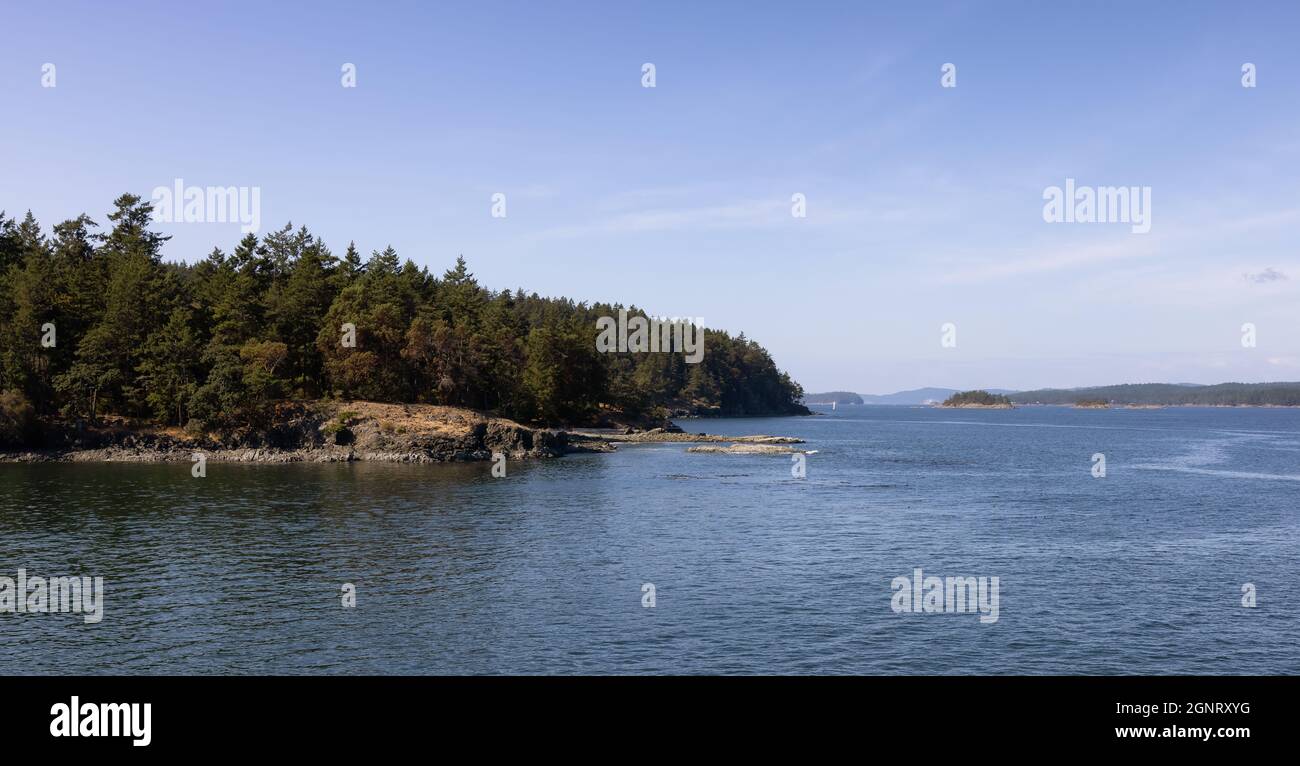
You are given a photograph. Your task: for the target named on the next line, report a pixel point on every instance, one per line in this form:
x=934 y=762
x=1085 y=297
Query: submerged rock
x=745 y=449
x=663 y=435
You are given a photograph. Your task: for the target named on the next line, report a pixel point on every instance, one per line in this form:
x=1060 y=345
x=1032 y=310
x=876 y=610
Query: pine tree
x=296 y=310
x=31 y=298
x=168 y=368
x=110 y=352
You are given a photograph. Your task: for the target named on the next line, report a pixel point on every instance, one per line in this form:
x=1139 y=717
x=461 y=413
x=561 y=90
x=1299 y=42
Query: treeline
x=978 y=397
x=833 y=397
x=1222 y=394
x=95 y=322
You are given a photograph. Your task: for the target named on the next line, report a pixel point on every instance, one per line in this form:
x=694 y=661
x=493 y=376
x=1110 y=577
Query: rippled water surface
x=754 y=571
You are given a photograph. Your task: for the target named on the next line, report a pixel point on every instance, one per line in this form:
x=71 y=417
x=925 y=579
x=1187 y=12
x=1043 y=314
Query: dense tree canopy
x=95 y=322
x=978 y=398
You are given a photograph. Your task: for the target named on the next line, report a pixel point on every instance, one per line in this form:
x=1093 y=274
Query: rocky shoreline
x=353 y=431
x=316 y=433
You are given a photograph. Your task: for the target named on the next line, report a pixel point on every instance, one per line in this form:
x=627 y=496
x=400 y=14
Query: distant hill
x=1221 y=394
x=1281 y=394
x=833 y=397
x=914 y=396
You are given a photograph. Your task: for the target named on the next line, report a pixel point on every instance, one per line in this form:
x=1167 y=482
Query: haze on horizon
x=924 y=203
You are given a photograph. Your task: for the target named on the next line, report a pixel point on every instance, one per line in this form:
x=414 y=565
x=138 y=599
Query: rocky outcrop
x=329 y=432
x=320 y=432
x=745 y=449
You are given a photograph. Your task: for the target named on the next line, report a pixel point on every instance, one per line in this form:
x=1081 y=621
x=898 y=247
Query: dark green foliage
x=218 y=344
x=1223 y=394
x=18 y=424
x=833 y=397
x=983 y=398
x=169 y=367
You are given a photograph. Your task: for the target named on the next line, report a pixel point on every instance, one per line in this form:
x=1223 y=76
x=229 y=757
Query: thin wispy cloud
x=1127 y=248
x=1267 y=275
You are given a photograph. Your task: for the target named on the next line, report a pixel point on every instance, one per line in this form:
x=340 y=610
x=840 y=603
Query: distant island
x=833 y=397
x=978 y=399
x=912 y=397
x=1170 y=394
x=1126 y=396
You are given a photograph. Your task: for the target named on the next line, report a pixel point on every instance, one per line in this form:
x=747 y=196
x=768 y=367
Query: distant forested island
x=1221 y=395
x=978 y=398
x=911 y=397
x=833 y=397
x=95 y=322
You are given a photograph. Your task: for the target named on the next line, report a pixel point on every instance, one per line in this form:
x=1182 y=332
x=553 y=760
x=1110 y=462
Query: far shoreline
x=1019 y=405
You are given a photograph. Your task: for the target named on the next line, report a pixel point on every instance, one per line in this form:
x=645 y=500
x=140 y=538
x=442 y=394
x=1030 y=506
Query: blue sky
x=924 y=203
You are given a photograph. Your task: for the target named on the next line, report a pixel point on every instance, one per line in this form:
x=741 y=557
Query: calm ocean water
x=754 y=571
